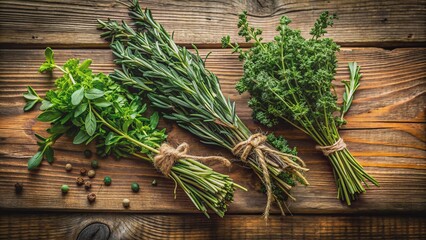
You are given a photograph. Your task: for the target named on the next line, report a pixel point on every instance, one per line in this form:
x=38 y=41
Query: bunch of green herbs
x=178 y=84
x=92 y=107
x=290 y=79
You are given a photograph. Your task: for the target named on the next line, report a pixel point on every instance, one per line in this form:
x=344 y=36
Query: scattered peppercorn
x=65 y=188
x=91 y=173
x=19 y=187
x=107 y=180
x=135 y=187
x=87 y=185
x=87 y=153
x=79 y=181
x=83 y=171
x=91 y=197
x=94 y=164
x=126 y=203
x=154 y=183
x=68 y=167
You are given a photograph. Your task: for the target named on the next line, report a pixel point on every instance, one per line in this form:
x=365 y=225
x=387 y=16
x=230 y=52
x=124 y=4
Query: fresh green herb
x=350 y=87
x=92 y=107
x=32 y=98
x=290 y=79
x=179 y=85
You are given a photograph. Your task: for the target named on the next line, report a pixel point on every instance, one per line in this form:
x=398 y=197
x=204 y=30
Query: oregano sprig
x=290 y=79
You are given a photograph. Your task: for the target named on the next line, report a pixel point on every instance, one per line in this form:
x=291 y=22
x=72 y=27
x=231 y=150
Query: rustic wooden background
x=386 y=129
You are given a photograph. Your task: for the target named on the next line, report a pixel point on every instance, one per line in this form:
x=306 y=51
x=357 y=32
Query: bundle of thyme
x=290 y=79
x=179 y=85
x=90 y=107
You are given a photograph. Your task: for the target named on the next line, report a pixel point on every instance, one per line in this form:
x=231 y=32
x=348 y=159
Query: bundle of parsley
x=90 y=107
x=179 y=85
x=290 y=79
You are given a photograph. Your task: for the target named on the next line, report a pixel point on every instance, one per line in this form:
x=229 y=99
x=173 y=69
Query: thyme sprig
x=92 y=107
x=290 y=79
x=178 y=84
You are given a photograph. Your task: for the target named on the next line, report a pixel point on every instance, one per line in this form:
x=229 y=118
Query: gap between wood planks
x=385 y=46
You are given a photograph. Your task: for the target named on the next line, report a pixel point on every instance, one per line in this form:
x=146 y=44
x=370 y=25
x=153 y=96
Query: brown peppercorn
x=68 y=167
x=83 y=171
x=91 y=173
x=19 y=187
x=79 y=181
x=91 y=197
x=87 y=185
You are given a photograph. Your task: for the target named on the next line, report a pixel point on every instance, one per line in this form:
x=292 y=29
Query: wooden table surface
x=385 y=130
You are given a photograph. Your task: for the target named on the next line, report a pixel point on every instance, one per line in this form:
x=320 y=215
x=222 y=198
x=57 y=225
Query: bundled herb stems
x=290 y=79
x=178 y=84
x=92 y=107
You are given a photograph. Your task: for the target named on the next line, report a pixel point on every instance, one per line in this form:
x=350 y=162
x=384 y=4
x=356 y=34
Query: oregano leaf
x=90 y=123
x=77 y=96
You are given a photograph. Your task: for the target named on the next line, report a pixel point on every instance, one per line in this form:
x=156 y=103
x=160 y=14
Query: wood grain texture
x=388 y=23
x=386 y=132
x=138 y=226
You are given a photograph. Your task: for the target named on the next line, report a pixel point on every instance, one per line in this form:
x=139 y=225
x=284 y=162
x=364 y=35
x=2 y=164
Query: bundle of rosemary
x=90 y=107
x=290 y=79
x=179 y=85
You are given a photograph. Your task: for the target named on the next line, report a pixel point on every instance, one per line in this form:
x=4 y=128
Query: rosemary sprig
x=178 y=84
x=350 y=87
x=91 y=107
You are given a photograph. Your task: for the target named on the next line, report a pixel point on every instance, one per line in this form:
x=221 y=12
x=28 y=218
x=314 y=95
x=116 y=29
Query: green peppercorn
x=65 y=188
x=135 y=187
x=94 y=164
x=87 y=153
x=154 y=183
x=107 y=180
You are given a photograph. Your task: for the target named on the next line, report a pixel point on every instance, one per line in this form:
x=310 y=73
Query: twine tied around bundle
x=169 y=155
x=337 y=146
x=265 y=155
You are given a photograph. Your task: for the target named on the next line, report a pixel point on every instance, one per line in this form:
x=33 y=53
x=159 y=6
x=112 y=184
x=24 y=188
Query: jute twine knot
x=169 y=155
x=243 y=150
x=337 y=146
x=265 y=155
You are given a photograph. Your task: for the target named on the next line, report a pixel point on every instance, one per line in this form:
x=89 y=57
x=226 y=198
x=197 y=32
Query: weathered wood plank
x=138 y=226
x=386 y=132
x=361 y=23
